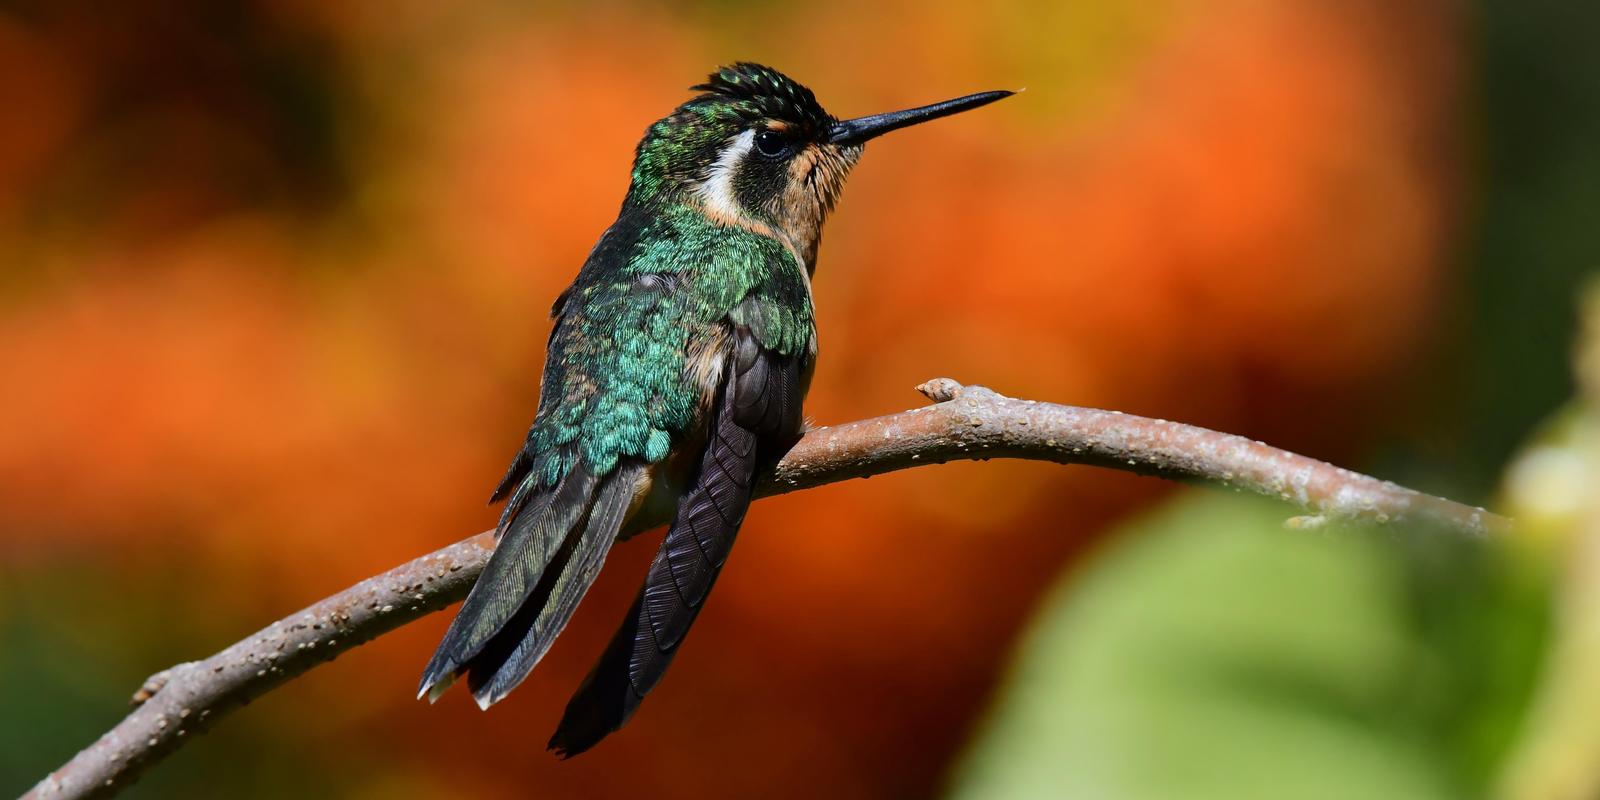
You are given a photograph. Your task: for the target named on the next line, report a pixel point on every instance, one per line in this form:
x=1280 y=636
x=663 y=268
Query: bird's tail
x=553 y=543
x=752 y=425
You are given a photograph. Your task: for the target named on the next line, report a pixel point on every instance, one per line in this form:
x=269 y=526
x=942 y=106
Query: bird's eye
x=771 y=144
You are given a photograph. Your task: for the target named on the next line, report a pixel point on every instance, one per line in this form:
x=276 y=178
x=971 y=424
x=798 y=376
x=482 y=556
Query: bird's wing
x=576 y=475
x=754 y=420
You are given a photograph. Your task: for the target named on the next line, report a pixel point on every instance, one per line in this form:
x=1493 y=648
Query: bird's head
x=756 y=150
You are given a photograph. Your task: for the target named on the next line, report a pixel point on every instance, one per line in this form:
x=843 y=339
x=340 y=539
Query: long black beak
x=856 y=131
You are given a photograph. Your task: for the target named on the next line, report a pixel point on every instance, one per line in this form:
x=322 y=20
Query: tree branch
x=965 y=423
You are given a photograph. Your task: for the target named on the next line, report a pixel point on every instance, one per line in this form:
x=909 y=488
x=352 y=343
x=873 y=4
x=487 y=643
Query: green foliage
x=1210 y=653
x=1537 y=241
x=72 y=641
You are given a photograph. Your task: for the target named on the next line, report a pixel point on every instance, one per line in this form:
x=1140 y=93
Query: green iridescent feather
x=616 y=381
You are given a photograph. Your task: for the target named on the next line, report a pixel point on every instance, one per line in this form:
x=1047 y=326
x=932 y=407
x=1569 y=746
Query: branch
x=965 y=423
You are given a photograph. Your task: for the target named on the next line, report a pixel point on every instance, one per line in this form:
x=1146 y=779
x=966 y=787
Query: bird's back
x=640 y=334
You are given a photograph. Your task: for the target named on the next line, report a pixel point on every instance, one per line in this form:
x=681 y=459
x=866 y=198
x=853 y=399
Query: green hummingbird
x=673 y=378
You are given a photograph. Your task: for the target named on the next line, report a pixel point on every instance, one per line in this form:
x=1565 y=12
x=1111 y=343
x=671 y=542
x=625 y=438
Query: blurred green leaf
x=1210 y=653
x=76 y=639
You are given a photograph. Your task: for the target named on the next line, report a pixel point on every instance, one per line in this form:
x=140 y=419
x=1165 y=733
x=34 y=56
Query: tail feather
x=530 y=540
x=675 y=589
x=759 y=406
x=548 y=610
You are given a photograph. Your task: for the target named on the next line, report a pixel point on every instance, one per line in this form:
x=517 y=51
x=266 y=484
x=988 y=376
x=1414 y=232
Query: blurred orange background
x=274 y=278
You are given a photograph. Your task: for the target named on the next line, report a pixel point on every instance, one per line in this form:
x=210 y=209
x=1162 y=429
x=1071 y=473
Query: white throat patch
x=717 y=191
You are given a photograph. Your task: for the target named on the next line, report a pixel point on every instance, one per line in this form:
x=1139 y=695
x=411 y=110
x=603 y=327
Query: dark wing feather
x=756 y=418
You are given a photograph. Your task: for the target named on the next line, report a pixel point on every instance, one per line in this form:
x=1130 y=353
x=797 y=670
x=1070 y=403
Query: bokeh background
x=273 y=288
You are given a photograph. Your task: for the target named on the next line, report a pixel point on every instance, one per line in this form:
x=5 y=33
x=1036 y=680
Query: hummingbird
x=673 y=379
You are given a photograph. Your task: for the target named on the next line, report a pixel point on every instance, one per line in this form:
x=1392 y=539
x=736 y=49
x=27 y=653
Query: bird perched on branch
x=674 y=376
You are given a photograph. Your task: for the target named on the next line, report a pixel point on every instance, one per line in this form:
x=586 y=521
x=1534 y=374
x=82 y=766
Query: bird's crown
x=754 y=91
